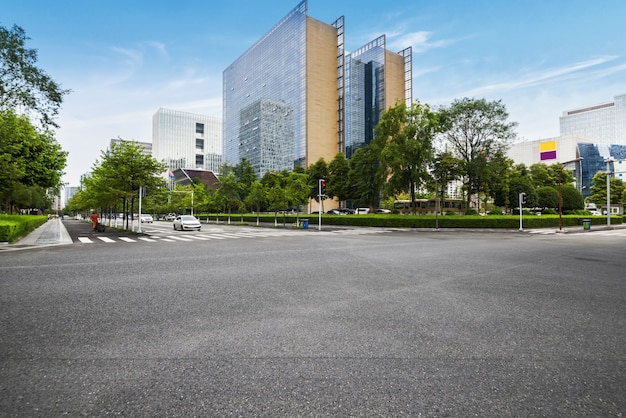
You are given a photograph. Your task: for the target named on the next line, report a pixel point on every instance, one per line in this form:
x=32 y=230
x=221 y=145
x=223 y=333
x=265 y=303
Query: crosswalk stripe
x=106 y=239
x=85 y=240
x=146 y=239
x=215 y=236
x=198 y=237
x=177 y=238
x=128 y=239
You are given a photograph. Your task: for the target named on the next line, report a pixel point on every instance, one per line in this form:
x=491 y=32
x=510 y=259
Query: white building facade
x=603 y=123
x=187 y=140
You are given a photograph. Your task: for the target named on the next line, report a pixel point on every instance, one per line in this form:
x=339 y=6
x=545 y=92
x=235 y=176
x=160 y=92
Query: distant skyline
x=125 y=60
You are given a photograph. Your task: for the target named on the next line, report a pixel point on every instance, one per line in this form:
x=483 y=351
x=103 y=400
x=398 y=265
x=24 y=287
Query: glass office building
x=271 y=70
x=604 y=122
x=187 y=140
x=372 y=86
x=295 y=96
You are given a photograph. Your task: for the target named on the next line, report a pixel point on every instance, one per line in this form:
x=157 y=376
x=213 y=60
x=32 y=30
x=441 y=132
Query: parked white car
x=362 y=211
x=184 y=222
x=146 y=219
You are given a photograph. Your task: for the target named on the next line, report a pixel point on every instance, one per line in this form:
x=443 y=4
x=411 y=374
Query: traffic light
x=322 y=187
x=523 y=198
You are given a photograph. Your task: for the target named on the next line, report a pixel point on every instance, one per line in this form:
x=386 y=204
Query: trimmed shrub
x=13 y=227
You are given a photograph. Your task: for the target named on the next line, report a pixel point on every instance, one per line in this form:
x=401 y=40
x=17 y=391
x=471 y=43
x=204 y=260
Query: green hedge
x=421 y=221
x=13 y=227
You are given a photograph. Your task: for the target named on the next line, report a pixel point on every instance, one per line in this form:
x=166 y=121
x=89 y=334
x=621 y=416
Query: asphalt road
x=317 y=324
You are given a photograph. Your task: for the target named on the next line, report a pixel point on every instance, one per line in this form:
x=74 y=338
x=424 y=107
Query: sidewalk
x=51 y=233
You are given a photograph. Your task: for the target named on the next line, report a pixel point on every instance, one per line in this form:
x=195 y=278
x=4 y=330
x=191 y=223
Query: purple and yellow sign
x=547 y=150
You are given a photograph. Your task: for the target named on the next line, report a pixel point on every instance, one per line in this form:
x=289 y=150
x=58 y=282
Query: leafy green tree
x=275 y=192
x=230 y=194
x=297 y=190
x=547 y=197
x=572 y=199
x=119 y=175
x=521 y=184
x=245 y=176
x=598 y=189
x=476 y=129
x=497 y=176
x=315 y=172
x=365 y=176
x=338 y=184
x=256 y=198
x=22 y=84
x=542 y=176
x=407 y=138
x=27 y=157
x=444 y=169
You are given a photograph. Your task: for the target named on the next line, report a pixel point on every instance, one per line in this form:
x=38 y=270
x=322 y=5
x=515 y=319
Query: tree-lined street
x=395 y=324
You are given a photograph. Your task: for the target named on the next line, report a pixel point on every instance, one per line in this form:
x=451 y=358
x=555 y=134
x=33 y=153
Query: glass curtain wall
x=364 y=93
x=271 y=71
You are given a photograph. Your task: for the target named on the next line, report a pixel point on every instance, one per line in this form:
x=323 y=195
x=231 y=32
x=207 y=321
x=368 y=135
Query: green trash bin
x=305 y=224
x=587 y=224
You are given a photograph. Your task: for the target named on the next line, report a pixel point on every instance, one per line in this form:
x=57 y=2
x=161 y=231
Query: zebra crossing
x=157 y=237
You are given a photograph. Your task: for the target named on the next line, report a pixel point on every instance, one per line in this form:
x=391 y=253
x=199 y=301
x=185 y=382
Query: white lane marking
x=198 y=237
x=106 y=239
x=174 y=237
x=85 y=240
x=128 y=239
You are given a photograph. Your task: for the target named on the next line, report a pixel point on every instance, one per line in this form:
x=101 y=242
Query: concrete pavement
x=54 y=232
x=51 y=233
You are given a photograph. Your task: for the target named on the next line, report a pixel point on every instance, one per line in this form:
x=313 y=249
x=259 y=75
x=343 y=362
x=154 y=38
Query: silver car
x=184 y=222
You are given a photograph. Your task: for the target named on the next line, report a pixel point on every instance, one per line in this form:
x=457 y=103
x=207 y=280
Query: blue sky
x=124 y=60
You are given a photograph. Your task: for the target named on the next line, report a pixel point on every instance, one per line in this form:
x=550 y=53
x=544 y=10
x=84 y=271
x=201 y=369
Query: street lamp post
x=608 y=190
x=560 y=193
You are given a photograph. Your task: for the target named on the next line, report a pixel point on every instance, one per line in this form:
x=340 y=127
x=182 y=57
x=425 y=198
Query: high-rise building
x=592 y=139
x=602 y=123
x=186 y=140
x=146 y=146
x=295 y=96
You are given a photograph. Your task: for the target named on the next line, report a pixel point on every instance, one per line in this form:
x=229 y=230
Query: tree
x=256 y=198
x=476 y=129
x=297 y=190
x=245 y=176
x=27 y=157
x=547 y=197
x=444 y=169
x=338 y=184
x=497 y=176
x=365 y=176
x=406 y=136
x=22 y=84
x=276 y=194
x=572 y=199
x=521 y=184
x=316 y=171
x=229 y=192
x=123 y=169
x=598 y=189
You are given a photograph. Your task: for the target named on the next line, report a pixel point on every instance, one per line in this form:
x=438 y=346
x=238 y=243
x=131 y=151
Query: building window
x=199 y=144
x=199 y=161
x=200 y=128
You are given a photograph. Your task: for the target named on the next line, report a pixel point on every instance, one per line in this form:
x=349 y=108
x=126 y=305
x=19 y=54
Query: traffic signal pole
x=321 y=191
x=522 y=200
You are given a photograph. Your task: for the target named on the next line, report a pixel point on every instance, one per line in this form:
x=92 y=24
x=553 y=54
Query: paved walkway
x=52 y=232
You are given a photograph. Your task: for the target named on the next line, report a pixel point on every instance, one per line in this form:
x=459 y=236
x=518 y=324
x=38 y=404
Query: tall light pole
x=560 y=194
x=608 y=190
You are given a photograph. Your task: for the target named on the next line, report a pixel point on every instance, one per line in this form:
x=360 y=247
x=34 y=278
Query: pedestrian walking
x=94 y=220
